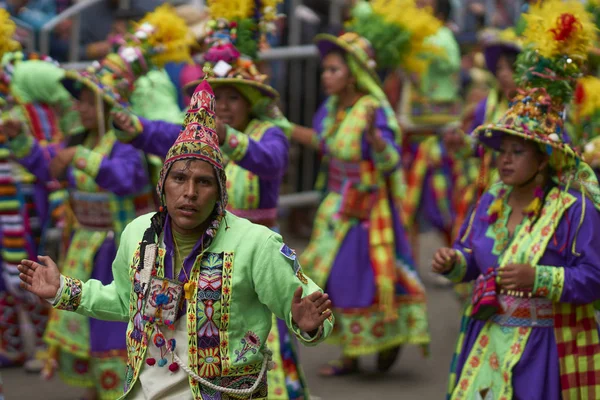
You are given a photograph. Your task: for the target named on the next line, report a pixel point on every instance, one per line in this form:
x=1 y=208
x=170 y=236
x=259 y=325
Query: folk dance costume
x=200 y=333
x=30 y=91
x=257 y=160
x=108 y=187
x=359 y=249
x=545 y=335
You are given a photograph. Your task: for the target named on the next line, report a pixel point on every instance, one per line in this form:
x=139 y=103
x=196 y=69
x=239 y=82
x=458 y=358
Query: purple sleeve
x=157 y=137
x=124 y=172
x=318 y=119
x=37 y=162
x=582 y=272
x=479 y=115
x=467 y=267
x=267 y=158
x=386 y=132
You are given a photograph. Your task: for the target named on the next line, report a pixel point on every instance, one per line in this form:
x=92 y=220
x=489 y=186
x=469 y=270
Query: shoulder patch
x=290 y=254
x=287 y=252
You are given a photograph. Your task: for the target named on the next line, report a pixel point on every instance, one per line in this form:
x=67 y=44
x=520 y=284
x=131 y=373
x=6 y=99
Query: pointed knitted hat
x=198 y=140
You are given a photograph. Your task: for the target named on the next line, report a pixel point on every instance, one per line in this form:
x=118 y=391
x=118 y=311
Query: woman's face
x=336 y=76
x=519 y=160
x=86 y=107
x=504 y=74
x=233 y=109
x=191 y=193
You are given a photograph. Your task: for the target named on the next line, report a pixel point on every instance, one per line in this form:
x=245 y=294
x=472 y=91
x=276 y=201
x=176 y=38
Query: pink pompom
x=173 y=367
x=150 y=361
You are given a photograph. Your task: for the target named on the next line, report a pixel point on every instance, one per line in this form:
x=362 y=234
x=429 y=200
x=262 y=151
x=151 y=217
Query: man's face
x=191 y=193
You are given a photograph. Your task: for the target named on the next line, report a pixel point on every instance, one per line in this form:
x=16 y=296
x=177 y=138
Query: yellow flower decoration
x=168 y=32
x=556 y=27
x=421 y=23
x=7 y=31
x=235 y=10
x=587 y=96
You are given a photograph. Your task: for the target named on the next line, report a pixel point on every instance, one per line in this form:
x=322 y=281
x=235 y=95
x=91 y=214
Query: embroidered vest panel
x=210 y=353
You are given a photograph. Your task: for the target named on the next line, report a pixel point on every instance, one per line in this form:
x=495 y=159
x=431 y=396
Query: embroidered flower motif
x=233 y=142
x=523 y=330
x=506 y=377
x=515 y=348
x=209 y=361
x=464 y=384
x=250 y=343
x=494 y=362
x=484 y=341
x=356 y=328
x=81 y=366
x=378 y=329
x=109 y=380
x=475 y=361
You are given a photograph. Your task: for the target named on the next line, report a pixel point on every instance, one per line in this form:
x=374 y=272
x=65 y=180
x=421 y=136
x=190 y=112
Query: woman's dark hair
x=510 y=56
x=443 y=10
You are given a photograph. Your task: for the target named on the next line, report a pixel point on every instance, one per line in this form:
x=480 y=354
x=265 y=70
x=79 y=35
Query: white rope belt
x=266 y=365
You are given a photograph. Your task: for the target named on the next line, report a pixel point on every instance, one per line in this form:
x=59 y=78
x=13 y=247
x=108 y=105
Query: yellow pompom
x=587 y=97
x=496 y=207
x=534 y=207
x=7 y=31
x=170 y=33
x=421 y=23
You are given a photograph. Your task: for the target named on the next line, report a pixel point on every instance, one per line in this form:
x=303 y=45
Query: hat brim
x=491 y=137
x=74 y=82
x=264 y=91
x=327 y=43
x=494 y=51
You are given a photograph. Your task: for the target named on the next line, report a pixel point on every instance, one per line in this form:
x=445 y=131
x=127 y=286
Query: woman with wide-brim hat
x=359 y=249
x=108 y=187
x=530 y=243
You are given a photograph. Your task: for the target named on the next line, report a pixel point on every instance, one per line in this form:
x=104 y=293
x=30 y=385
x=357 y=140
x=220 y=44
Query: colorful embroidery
x=549 y=282
x=250 y=343
x=162 y=301
x=227 y=284
x=71 y=295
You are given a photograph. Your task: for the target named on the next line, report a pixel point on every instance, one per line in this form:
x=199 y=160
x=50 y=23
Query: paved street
x=413 y=377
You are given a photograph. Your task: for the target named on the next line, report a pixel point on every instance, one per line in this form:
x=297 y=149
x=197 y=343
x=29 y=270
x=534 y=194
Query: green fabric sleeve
x=21 y=145
x=276 y=277
x=110 y=302
x=549 y=282
x=236 y=144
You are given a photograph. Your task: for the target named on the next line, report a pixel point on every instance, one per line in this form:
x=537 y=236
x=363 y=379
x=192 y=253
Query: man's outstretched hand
x=41 y=279
x=310 y=312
